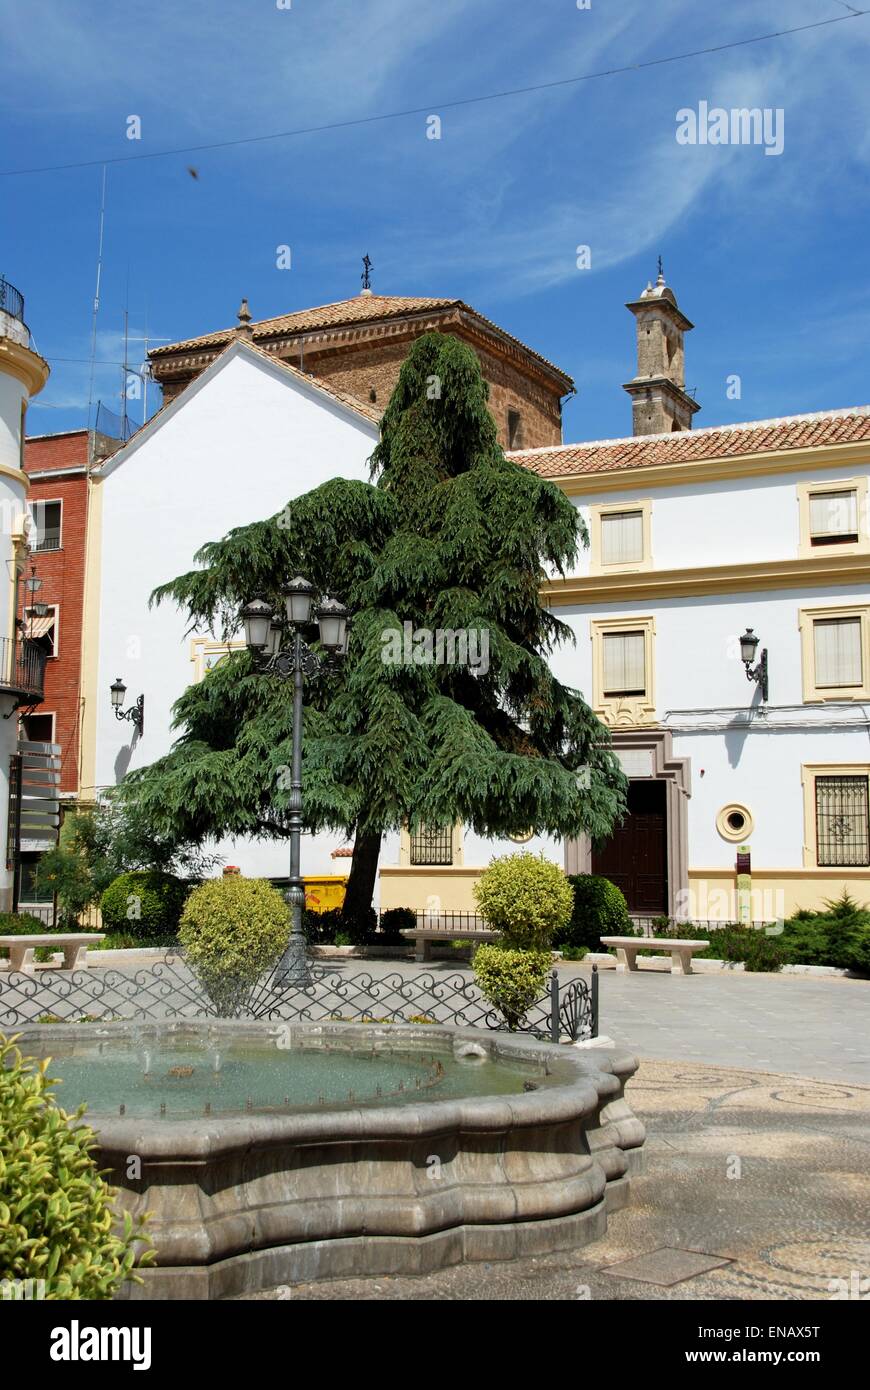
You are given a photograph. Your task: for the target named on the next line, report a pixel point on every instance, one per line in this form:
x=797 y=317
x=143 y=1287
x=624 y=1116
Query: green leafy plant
x=233 y=930
x=354 y=928
x=574 y=952
x=56 y=1210
x=396 y=920
x=598 y=909
x=147 y=903
x=839 y=935
x=23 y=924
x=97 y=844
x=736 y=942
x=511 y=979
x=525 y=897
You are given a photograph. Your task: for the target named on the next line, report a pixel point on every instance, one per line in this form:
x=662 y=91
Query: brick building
x=358 y=346
x=57 y=467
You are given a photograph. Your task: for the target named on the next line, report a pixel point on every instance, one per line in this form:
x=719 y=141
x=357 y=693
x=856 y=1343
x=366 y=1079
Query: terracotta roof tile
x=361 y=309
x=693 y=446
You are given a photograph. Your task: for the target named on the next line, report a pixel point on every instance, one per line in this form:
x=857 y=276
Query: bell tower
x=660 y=403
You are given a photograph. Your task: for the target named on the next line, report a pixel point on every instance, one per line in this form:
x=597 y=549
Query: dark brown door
x=635 y=858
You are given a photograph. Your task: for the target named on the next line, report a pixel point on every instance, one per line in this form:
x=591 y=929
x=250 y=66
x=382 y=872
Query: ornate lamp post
x=278 y=647
x=758 y=673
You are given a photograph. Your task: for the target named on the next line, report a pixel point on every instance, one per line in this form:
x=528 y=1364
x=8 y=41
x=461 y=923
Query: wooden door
x=635 y=858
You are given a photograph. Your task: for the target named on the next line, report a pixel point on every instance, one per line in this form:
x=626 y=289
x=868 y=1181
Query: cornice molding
x=26 y=365
x=646 y=586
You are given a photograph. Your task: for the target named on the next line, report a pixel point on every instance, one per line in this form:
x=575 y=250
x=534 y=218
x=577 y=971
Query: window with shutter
x=837 y=652
x=624 y=664
x=833 y=517
x=621 y=538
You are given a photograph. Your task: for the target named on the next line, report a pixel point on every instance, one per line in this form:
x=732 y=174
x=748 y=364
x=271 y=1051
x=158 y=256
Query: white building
x=243 y=438
x=23 y=373
x=696 y=536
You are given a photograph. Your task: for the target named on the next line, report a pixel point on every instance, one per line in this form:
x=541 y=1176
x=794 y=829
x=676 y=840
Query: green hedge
x=25 y=924
x=146 y=903
x=599 y=909
x=837 y=936
x=396 y=920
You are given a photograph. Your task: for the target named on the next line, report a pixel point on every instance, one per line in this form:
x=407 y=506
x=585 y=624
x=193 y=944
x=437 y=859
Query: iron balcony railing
x=11 y=300
x=22 y=669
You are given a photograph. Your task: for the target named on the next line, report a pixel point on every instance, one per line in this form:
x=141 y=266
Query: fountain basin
x=520 y=1151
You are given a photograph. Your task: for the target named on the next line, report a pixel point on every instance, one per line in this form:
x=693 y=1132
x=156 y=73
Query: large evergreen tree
x=451 y=535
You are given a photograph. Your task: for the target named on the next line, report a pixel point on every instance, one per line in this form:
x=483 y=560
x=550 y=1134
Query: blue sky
x=769 y=255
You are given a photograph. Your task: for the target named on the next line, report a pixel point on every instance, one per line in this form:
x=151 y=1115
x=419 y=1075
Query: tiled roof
x=694 y=446
x=361 y=309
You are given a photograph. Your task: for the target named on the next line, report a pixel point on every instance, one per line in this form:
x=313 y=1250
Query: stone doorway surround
x=648 y=754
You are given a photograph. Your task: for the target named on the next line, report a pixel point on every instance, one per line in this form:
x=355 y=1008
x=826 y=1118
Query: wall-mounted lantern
x=136 y=713
x=758 y=673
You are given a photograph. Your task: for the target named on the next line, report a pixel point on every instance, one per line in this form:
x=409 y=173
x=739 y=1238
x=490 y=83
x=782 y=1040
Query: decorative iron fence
x=451 y=923
x=169 y=990
x=11 y=300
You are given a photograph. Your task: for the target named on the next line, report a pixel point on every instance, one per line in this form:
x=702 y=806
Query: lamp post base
x=293 y=968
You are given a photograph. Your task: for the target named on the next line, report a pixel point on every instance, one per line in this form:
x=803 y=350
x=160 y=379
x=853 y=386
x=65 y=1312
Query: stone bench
x=423 y=937
x=627 y=947
x=73 y=944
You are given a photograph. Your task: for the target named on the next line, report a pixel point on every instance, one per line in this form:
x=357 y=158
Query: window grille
x=842 y=824
x=432 y=846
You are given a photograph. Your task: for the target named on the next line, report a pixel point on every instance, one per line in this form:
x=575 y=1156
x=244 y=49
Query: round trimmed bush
x=599 y=909
x=56 y=1212
x=396 y=920
x=526 y=898
x=512 y=980
x=233 y=930
x=147 y=902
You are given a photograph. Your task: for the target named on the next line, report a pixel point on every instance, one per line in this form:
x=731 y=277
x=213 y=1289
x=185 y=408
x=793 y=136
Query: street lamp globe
x=257 y=619
x=298 y=599
x=748 y=646
x=332 y=622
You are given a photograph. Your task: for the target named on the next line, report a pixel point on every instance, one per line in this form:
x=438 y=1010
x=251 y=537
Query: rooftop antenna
x=97 y=298
x=125 y=370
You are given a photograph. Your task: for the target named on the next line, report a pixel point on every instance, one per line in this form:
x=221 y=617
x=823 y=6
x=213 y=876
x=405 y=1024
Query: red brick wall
x=63 y=576
x=375 y=367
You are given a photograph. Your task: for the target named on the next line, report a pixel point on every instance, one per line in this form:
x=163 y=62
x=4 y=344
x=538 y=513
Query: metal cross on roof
x=366 y=278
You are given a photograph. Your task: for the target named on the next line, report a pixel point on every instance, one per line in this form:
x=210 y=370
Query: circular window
x=735 y=822
x=522 y=838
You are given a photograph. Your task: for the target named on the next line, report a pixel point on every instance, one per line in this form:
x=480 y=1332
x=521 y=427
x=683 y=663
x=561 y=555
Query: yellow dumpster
x=324 y=892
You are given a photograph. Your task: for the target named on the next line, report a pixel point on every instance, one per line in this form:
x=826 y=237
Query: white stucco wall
x=699 y=678
x=234 y=448
x=728 y=521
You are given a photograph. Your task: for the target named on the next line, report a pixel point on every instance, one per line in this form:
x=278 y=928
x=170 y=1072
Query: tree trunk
x=363 y=873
